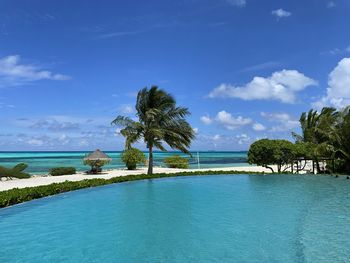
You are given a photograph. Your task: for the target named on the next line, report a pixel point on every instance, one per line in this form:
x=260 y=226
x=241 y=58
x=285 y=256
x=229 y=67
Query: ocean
x=41 y=162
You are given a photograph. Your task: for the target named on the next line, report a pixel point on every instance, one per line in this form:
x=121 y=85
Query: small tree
x=132 y=157
x=267 y=152
x=176 y=161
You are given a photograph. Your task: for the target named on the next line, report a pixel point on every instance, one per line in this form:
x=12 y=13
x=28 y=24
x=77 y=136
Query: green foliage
x=16 y=195
x=62 y=171
x=267 y=152
x=176 y=161
x=328 y=133
x=159 y=121
x=96 y=165
x=132 y=157
x=16 y=172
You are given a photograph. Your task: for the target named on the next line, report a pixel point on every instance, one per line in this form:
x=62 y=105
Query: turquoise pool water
x=187 y=219
x=41 y=162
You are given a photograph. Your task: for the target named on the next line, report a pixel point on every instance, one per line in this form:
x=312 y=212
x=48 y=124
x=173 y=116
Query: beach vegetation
x=62 y=171
x=15 y=172
x=176 y=161
x=160 y=121
x=267 y=152
x=324 y=138
x=327 y=134
x=132 y=157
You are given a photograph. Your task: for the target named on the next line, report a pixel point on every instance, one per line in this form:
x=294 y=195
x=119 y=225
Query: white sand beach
x=46 y=180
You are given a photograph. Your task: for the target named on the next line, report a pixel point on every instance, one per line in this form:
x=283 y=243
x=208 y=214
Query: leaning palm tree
x=159 y=121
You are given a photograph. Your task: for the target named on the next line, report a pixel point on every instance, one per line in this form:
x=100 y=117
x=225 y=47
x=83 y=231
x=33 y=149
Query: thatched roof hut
x=97 y=155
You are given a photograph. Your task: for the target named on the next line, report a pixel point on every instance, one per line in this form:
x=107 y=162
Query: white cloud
x=284 y=121
x=216 y=137
x=226 y=120
x=126 y=109
x=195 y=130
x=55 y=125
x=206 y=120
x=258 y=127
x=338 y=91
x=35 y=142
x=280 y=13
x=239 y=3
x=14 y=73
x=243 y=139
x=63 y=139
x=281 y=85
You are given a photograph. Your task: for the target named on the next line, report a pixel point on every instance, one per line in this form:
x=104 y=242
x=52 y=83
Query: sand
x=46 y=180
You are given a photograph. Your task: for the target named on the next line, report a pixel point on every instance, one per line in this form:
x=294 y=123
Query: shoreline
x=39 y=180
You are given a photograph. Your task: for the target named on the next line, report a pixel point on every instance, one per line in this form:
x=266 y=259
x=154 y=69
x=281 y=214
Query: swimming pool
x=241 y=218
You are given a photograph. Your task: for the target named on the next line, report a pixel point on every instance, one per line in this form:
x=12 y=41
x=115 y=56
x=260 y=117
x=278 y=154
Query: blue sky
x=245 y=68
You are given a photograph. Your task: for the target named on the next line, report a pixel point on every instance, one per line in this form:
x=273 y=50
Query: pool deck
x=46 y=180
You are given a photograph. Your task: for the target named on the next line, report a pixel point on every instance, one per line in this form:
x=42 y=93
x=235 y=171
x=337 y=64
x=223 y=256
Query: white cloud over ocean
x=13 y=72
x=282 y=86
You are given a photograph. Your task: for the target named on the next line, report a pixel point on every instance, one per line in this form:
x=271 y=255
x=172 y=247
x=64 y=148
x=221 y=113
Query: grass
x=20 y=195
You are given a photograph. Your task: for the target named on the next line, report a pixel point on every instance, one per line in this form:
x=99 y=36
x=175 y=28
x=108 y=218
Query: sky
x=246 y=69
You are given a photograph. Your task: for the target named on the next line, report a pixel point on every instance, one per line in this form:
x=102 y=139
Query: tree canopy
x=267 y=152
x=160 y=121
x=324 y=134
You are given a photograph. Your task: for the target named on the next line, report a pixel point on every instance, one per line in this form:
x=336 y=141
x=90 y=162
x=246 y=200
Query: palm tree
x=159 y=121
x=318 y=129
x=341 y=138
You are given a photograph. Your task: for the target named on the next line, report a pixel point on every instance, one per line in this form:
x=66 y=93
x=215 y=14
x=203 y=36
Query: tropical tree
x=267 y=152
x=318 y=131
x=159 y=121
x=341 y=138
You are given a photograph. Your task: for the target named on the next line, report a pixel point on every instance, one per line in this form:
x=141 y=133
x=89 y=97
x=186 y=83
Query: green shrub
x=15 y=172
x=132 y=157
x=176 y=161
x=16 y=195
x=267 y=152
x=62 y=171
x=96 y=165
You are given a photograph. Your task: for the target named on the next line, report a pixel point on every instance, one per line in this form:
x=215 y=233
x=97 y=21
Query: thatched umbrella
x=96 y=160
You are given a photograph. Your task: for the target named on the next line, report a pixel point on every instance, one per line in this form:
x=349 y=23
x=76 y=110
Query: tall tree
x=318 y=129
x=341 y=138
x=159 y=121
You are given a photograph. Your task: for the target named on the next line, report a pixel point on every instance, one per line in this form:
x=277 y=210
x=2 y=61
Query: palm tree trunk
x=150 y=160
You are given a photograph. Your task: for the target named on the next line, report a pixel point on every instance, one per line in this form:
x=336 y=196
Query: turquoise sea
x=41 y=162
x=239 y=218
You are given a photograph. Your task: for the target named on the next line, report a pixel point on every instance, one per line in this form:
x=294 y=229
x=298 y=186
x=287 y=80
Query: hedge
x=62 y=171
x=20 y=195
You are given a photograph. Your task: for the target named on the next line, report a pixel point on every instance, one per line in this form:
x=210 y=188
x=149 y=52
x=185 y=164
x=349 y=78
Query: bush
x=62 y=171
x=15 y=172
x=176 y=161
x=132 y=157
